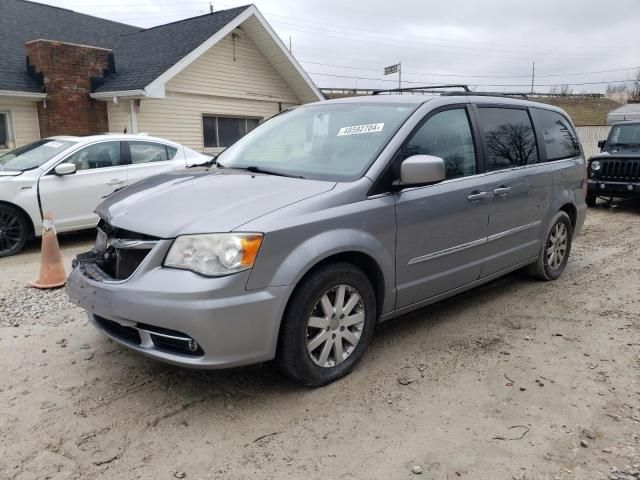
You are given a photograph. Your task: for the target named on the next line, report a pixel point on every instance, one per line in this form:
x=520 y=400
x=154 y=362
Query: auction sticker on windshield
x=358 y=129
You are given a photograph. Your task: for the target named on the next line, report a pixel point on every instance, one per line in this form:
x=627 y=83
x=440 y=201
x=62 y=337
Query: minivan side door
x=442 y=228
x=73 y=198
x=147 y=158
x=522 y=186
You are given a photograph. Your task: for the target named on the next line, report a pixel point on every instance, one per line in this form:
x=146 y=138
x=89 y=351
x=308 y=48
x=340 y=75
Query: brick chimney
x=66 y=71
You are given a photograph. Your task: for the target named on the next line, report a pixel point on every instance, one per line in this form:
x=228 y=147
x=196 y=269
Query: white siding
x=23 y=120
x=118 y=117
x=179 y=116
x=249 y=75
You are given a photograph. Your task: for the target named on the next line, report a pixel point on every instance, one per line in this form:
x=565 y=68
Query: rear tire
x=327 y=326
x=591 y=200
x=14 y=230
x=554 y=252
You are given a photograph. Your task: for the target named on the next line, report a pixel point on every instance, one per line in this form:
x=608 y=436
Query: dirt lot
x=515 y=380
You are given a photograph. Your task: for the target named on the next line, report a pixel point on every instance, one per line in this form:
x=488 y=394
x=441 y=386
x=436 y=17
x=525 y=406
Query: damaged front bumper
x=180 y=317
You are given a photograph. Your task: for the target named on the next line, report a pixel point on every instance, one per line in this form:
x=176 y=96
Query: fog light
x=630 y=187
x=602 y=186
x=192 y=345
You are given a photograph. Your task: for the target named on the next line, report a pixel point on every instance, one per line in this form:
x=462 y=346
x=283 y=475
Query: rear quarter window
x=558 y=137
x=508 y=137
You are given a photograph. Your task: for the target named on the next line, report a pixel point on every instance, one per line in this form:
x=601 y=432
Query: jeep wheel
x=554 y=252
x=327 y=326
x=14 y=231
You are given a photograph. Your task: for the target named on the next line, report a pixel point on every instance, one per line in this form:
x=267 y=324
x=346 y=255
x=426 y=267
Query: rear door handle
x=501 y=191
x=475 y=196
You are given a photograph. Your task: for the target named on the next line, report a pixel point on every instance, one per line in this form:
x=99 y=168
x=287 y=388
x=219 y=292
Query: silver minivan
x=327 y=219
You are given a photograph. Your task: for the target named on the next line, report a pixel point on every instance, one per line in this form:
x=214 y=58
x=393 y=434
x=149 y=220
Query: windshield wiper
x=254 y=169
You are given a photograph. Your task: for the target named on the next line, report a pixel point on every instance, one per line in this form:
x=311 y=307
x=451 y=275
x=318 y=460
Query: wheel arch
x=359 y=259
x=571 y=210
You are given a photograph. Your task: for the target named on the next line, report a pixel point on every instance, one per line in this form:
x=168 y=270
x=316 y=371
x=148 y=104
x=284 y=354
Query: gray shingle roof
x=143 y=56
x=22 y=21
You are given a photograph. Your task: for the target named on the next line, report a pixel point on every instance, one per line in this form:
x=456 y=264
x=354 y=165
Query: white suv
x=70 y=176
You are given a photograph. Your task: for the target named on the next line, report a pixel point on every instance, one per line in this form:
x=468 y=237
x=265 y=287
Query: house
x=202 y=82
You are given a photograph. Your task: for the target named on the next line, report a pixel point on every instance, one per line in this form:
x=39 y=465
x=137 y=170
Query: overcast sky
x=489 y=43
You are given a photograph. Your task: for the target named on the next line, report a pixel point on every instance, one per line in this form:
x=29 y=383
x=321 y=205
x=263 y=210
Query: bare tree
x=565 y=90
x=616 y=88
x=554 y=90
x=633 y=89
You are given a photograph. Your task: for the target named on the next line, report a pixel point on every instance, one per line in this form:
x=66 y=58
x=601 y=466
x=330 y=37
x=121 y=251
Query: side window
x=508 y=136
x=146 y=152
x=560 y=141
x=447 y=135
x=99 y=155
x=171 y=152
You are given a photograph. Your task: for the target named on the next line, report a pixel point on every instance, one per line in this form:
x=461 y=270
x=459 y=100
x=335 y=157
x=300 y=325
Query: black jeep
x=615 y=172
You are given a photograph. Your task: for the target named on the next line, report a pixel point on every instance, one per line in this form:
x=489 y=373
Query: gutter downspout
x=134 y=106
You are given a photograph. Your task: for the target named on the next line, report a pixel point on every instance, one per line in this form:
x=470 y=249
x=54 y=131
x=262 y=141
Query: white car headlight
x=595 y=165
x=214 y=254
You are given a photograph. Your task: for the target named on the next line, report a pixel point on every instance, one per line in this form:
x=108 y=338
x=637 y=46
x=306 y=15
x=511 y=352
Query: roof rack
x=488 y=94
x=465 y=88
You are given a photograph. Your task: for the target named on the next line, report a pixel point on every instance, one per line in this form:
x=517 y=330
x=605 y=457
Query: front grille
x=118 y=253
x=121 y=263
x=620 y=170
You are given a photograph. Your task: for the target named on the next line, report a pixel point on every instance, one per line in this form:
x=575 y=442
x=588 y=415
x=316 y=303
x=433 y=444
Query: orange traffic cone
x=52 y=273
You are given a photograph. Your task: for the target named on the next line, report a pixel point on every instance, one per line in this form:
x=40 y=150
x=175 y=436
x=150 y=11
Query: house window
x=4 y=130
x=220 y=132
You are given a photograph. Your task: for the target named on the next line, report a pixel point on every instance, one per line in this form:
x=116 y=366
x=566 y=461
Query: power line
x=406 y=44
x=576 y=84
x=461 y=75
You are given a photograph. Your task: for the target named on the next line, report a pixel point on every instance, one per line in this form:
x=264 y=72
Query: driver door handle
x=475 y=196
x=501 y=191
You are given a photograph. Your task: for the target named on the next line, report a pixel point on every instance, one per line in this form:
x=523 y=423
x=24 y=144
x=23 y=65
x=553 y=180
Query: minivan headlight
x=214 y=254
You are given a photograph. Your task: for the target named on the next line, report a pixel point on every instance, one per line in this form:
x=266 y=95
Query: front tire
x=327 y=326
x=14 y=230
x=554 y=252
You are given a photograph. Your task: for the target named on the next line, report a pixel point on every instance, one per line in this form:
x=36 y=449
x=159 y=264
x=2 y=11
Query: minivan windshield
x=33 y=155
x=622 y=136
x=334 y=141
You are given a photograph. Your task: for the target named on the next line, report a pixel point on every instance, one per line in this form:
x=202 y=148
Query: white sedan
x=70 y=176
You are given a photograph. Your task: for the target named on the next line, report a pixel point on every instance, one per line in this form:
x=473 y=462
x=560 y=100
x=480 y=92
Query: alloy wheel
x=335 y=326
x=11 y=231
x=557 y=245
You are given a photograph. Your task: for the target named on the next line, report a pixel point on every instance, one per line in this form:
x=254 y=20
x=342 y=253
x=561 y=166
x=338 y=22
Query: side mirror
x=601 y=144
x=65 y=169
x=422 y=170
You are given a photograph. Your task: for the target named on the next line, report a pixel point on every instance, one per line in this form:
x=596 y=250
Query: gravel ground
x=20 y=303
x=517 y=379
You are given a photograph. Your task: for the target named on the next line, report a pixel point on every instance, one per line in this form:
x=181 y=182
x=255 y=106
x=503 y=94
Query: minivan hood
x=202 y=201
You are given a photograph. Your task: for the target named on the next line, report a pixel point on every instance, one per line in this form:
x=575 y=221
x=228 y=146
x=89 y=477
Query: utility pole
x=533 y=75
